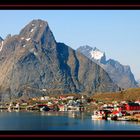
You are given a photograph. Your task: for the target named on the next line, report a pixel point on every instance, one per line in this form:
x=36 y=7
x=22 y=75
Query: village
x=121 y=111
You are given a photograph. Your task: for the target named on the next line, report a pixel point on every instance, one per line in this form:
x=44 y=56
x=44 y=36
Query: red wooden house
x=132 y=106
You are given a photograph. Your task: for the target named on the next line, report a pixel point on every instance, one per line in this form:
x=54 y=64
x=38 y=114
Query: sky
x=115 y=32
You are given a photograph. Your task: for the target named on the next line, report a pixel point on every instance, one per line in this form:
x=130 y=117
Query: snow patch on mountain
x=93 y=53
x=1 y=46
x=24 y=46
x=32 y=30
x=96 y=54
x=28 y=39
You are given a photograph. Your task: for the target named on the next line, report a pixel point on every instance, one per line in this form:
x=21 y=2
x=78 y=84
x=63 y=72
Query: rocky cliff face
x=34 y=64
x=120 y=74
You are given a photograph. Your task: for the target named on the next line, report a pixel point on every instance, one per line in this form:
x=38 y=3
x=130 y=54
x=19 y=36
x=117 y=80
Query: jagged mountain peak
x=85 y=47
x=39 y=21
x=96 y=49
x=93 y=53
x=35 y=24
x=37 y=30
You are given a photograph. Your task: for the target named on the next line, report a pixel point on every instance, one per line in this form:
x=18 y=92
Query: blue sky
x=116 y=32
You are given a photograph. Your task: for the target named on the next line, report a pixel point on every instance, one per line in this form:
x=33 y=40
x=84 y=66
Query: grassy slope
x=131 y=94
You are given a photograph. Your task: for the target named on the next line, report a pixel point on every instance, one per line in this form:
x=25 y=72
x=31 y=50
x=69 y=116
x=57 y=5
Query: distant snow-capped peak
x=96 y=54
x=92 y=53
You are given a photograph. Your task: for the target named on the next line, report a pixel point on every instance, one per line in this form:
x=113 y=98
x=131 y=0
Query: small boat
x=122 y=119
x=96 y=117
x=109 y=118
x=44 y=108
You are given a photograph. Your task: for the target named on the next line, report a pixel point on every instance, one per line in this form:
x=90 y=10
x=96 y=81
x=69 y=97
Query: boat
x=96 y=117
x=122 y=119
x=44 y=108
x=109 y=118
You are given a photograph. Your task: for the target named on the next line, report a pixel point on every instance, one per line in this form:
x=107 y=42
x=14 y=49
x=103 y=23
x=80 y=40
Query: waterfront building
x=132 y=106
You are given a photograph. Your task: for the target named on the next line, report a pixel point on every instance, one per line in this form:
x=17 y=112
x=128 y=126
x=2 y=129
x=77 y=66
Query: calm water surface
x=59 y=121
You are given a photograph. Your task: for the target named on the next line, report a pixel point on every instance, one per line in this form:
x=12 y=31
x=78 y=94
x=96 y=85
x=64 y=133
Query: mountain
x=93 y=53
x=1 y=39
x=138 y=82
x=1 y=43
x=120 y=74
x=33 y=64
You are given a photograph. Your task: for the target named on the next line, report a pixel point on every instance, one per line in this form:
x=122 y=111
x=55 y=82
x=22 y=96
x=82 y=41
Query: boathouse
x=132 y=107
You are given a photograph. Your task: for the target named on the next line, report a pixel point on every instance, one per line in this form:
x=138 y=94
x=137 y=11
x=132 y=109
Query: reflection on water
x=55 y=113
x=10 y=110
x=59 y=121
x=134 y=123
x=98 y=122
x=78 y=115
x=70 y=114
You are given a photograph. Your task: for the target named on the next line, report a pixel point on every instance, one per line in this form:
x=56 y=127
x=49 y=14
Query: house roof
x=133 y=104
